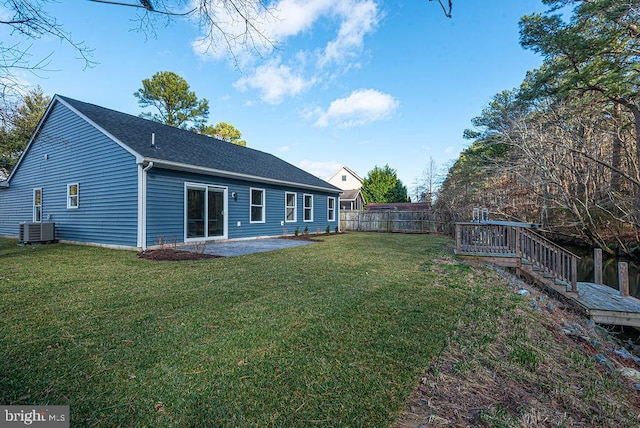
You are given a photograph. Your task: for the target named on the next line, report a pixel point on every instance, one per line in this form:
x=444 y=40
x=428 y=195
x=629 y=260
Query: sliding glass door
x=215 y=213
x=205 y=210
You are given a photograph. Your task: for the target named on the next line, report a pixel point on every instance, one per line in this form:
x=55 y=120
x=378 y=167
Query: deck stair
x=516 y=245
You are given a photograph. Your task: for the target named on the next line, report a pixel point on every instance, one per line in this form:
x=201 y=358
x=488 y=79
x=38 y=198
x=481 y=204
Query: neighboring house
x=112 y=179
x=351 y=184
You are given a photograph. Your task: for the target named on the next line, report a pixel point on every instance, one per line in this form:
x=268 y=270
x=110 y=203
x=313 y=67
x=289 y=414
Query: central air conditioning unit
x=37 y=232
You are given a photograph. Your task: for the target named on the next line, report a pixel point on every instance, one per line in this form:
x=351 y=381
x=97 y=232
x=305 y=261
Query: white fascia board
x=221 y=173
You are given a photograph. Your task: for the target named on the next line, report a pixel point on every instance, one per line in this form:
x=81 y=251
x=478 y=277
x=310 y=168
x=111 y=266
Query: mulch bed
x=171 y=255
x=306 y=237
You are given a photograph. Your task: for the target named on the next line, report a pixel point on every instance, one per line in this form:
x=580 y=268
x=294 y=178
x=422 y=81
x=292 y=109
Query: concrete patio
x=248 y=246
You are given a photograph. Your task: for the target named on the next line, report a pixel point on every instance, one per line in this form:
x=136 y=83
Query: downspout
x=143 y=221
x=339 y=226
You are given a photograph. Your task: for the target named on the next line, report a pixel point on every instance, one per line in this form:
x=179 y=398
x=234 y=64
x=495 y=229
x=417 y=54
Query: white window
x=37 y=205
x=291 y=207
x=308 y=207
x=73 y=195
x=331 y=209
x=257 y=206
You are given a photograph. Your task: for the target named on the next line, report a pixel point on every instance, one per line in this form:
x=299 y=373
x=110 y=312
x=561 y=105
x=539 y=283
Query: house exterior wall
x=350 y=182
x=166 y=209
x=68 y=150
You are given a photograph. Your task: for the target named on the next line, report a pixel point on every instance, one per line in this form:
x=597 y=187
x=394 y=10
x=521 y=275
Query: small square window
x=73 y=195
x=344 y=178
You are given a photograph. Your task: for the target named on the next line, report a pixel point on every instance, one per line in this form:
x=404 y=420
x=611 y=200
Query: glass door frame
x=206 y=188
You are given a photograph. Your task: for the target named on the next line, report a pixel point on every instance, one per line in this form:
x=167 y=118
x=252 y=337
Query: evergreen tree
x=18 y=125
x=382 y=185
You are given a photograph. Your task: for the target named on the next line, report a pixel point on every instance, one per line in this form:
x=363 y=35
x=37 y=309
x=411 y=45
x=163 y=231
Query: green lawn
x=335 y=333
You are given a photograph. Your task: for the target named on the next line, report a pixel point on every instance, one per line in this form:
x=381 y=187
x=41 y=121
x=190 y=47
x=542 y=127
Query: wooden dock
x=516 y=246
x=605 y=305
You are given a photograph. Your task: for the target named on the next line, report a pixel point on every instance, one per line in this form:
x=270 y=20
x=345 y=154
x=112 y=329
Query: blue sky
x=353 y=82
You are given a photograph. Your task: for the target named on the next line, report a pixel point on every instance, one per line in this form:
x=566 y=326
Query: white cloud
x=284 y=148
x=339 y=28
x=230 y=36
x=361 y=107
x=275 y=81
x=358 y=19
x=296 y=16
x=320 y=169
x=354 y=19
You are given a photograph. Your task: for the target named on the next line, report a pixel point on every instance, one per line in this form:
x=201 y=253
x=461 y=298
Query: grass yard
x=333 y=334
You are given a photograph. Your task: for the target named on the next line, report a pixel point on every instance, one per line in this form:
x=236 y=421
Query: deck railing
x=483 y=238
x=549 y=257
x=486 y=239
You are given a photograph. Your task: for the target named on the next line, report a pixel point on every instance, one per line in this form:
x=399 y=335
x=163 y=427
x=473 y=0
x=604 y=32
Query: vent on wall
x=37 y=232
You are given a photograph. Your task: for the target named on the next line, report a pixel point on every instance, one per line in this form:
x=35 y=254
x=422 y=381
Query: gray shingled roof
x=184 y=147
x=350 y=195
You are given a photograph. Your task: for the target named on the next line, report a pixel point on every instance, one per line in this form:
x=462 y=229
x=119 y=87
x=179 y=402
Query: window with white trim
x=73 y=195
x=331 y=209
x=291 y=207
x=37 y=205
x=257 y=206
x=308 y=207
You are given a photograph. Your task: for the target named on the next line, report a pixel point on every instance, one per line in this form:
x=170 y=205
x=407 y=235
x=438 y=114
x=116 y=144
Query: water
x=609 y=270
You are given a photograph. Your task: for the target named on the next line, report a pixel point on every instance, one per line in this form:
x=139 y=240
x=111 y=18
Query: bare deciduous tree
x=231 y=25
x=446 y=9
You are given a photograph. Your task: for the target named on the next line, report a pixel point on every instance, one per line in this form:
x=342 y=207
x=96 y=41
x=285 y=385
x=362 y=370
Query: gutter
x=143 y=207
x=221 y=173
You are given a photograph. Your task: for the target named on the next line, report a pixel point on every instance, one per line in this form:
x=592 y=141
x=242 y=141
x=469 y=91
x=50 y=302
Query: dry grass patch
x=510 y=363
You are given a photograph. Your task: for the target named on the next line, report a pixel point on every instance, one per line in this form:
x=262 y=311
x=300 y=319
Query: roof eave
x=229 y=174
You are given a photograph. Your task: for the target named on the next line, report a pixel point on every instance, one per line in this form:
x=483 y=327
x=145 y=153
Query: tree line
x=563 y=149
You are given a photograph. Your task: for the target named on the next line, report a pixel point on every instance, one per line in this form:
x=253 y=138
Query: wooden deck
x=547 y=264
x=605 y=305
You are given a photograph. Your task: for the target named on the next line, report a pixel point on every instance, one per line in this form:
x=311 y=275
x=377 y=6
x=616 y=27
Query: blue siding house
x=112 y=179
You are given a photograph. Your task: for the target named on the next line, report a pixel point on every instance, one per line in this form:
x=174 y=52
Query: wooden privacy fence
x=521 y=244
x=392 y=221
